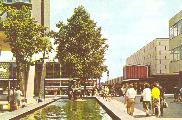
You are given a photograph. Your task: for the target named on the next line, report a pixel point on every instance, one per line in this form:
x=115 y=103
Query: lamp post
x=107 y=75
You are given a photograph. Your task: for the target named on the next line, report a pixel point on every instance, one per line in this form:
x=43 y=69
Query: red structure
x=135 y=72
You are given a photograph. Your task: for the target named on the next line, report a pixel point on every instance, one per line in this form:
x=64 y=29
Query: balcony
x=17 y=3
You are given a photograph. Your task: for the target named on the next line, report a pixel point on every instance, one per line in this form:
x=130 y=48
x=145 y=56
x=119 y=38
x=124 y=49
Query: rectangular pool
x=63 y=109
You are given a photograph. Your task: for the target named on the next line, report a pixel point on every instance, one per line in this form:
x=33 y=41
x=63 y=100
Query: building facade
x=117 y=80
x=155 y=55
x=175 y=42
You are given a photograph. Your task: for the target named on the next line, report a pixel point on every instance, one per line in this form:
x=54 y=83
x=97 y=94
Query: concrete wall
x=30 y=85
x=155 y=54
x=174 y=44
x=36 y=11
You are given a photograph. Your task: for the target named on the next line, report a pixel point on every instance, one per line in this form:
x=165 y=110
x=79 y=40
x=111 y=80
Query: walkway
x=116 y=105
x=14 y=115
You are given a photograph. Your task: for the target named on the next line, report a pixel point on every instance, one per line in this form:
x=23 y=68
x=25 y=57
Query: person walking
x=18 y=97
x=146 y=94
x=180 y=94
x=162 y=99
x=176 y=93
x=130 y=99
x=156 y=100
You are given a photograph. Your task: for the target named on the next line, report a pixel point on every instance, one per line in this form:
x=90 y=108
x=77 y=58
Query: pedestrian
x=107 y=93
x=176 y=93
x=112 y=91
x=180 y=94
x=130 y=99
x=162 y=99
x=156 y=100
x=146 y=94
x=18 y=97
x=122 y=91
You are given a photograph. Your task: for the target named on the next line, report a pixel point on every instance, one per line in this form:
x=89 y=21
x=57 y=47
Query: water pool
x=70 y=110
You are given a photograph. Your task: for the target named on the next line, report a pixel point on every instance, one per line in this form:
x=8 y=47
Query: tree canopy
x=81 y=47
x=24 y=35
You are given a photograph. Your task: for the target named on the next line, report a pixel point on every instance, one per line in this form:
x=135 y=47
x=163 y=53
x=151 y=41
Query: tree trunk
x=19 y=68
x=43 y=75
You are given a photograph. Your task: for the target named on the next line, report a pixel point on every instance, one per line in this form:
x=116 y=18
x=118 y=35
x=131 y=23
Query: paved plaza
x=14 y=115
x=173 y=112
x=116 y=106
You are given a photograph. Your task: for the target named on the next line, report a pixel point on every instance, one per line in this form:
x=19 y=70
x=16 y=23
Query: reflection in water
x=70 y=110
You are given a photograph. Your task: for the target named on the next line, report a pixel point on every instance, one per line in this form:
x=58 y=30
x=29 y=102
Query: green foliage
x=81 y=47
x=23 y=33
x=25 y=37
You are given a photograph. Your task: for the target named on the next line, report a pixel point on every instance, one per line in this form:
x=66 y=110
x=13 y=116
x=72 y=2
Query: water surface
x=88 y=109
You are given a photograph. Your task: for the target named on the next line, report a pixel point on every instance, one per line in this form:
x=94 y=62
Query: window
x=180 y=52
x=165 y=48
x=165 y=57
x=159 y=43
x=9 y=1
x=171 y=34
x=26 y=1
x=176 y=54
x=160 y=61
x=179 y=27
x=160 y=71
x=175 y=30
x=165 y=66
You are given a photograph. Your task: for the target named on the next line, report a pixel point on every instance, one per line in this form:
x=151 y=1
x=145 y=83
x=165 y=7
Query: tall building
x=117 y=80
x=175 y=42
x=41 y=11
x=156 y=55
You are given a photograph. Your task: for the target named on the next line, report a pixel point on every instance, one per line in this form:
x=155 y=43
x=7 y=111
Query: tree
x=81 y=47
x=25 y=37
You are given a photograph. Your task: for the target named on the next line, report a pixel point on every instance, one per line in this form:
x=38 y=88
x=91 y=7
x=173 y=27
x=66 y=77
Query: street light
x=107 y=75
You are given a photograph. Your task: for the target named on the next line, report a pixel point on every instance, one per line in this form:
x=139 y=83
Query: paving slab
x=116 y=106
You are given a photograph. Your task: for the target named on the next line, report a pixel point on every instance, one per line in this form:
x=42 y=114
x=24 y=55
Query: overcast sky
x=127 y=24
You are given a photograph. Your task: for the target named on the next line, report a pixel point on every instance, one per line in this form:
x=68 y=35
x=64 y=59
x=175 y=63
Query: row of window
x=165 y=48
x=175 y=30
x=176 y=54
x=13 y=1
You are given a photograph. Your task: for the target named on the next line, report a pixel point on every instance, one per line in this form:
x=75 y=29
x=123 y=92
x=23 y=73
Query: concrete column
x=30 y=85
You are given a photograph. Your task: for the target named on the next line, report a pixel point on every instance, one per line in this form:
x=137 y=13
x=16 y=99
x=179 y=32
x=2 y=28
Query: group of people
x=152 y=98
x=105 y=92
x=177 y=94
x=75 y=91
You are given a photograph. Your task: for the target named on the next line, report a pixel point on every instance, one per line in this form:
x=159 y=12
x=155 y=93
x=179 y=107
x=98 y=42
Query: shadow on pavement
x=139 y=116
x=174 y=109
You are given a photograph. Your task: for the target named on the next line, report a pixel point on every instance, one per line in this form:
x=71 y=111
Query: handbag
x=141 y=99
x=165 y=105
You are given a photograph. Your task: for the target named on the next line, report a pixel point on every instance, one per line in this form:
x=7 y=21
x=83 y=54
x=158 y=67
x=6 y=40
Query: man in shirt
x=130 y=99
x=161 y=98
x=146 y=98
x=156 y=99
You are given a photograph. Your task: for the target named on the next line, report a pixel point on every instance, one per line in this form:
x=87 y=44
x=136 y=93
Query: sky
x=128 y=25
